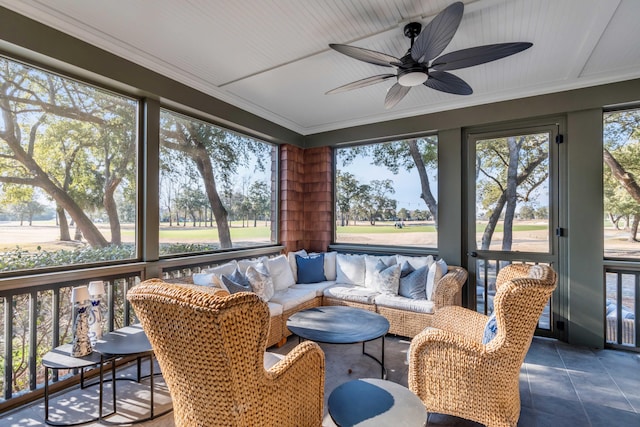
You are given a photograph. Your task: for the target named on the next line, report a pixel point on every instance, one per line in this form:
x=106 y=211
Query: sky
x=406 y=184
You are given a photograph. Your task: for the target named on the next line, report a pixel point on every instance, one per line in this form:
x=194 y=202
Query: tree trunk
x=111 y=209
x=426 y=194
x=634 y=227
x=625 y=178
x=511 y=192
x=203 y=163
x=487 y=236
x=65 y=236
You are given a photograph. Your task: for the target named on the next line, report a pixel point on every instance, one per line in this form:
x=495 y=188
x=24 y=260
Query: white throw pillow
x=280 y=272
x=291 y=257
x=436 y=271
x=330 y=265
x=415 y=261
x=385 y=279
x=370 y=270
x=350 y=269
x=243 y=264
x=260 y=281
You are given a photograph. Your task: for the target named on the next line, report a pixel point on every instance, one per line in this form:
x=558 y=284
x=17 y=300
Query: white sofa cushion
x=243 y=264
x=275 y=309
x=291 y=298
x=211 y=276
x=317 y=287
x=415 y=261
x=291 y=257
x=281 y=273
x=370 y=270
x=403 y=303
x=270 y=359
x=330 y=265
x=436 y=271
x=350 y=269
x=352 y=293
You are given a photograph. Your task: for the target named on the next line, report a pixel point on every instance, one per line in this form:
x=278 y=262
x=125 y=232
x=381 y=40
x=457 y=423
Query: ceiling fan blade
x=366 y=55
x=435 y=37
x=395 y=95
x=361 y=83
x=447 y=82
x=477 y=55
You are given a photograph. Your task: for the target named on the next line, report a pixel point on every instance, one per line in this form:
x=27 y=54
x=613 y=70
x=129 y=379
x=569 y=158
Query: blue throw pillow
x=491 y=329
x=236 y=282
x=310 y=268
x=413 y=282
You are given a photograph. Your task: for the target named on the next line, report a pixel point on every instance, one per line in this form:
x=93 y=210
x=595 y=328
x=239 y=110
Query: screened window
x=386 y=193
x=621 y=156
x=216 y=187
x=67 y=171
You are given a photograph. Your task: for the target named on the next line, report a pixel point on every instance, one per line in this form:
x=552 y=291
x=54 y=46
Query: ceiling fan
x=418 y=65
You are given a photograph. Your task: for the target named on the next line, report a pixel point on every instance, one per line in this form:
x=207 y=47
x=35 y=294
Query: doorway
x=513 y=211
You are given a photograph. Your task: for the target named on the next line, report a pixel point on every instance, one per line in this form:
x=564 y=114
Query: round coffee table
x=375 y=403
x=340 y=325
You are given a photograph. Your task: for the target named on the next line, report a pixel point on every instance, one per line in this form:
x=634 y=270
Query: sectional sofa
x=406 y=290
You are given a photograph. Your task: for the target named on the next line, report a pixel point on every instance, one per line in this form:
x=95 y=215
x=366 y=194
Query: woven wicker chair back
x=210 y=349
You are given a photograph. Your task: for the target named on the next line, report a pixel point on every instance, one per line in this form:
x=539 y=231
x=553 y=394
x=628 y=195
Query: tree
x=508 y=170
x=404 y=214
x=32 y=100
x=418 y=153
x=259 y=198
x=372 y=202
x=527 y=212
x=21 y=201
x=620 y=154
x=347 y=189
x=216 y=154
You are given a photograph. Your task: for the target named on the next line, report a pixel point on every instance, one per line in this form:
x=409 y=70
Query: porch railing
x=36 y=313
x=622 y=305
x=486 y=272
x=39 y=318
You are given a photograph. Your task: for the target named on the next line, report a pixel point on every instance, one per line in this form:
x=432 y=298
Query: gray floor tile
x=606 y=416
x=560 y=385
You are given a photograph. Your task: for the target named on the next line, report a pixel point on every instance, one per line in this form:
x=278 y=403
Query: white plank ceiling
x=271 y=57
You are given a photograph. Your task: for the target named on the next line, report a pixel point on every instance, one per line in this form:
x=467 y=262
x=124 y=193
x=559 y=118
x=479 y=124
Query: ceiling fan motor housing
x=411 y=73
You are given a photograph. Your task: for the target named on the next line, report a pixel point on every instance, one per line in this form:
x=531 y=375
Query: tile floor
x=560 y=385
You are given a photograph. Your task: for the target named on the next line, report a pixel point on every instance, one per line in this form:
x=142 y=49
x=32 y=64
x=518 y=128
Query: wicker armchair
x=454 y=373
x=211 y=350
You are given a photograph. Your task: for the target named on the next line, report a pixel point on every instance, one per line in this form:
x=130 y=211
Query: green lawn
x=211 y=234
x=385 y=228
x=389 y=228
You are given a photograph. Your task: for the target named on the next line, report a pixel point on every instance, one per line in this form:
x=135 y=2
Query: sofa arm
x=449 y=286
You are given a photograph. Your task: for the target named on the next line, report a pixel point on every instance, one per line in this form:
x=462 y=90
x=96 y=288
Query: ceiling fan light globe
x=413 y=78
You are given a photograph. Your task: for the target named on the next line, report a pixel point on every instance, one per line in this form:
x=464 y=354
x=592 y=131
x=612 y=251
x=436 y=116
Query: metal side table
x=59 y=358
x=125 y=342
